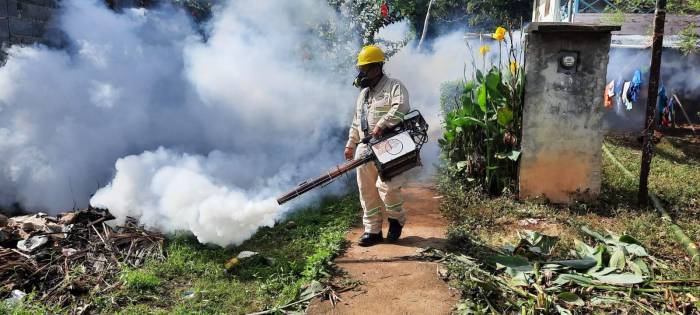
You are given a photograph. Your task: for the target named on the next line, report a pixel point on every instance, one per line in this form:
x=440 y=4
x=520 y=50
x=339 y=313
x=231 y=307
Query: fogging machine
x=394 y=152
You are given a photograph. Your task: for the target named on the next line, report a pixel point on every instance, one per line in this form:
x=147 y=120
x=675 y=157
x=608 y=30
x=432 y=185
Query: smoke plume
x=144 y=116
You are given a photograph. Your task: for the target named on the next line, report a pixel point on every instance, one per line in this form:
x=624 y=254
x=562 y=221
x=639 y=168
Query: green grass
x=479 y=222
x=192 y=278
x=674 y=178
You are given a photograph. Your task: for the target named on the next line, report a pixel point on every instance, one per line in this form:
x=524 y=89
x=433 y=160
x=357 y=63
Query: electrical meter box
x=565 y=72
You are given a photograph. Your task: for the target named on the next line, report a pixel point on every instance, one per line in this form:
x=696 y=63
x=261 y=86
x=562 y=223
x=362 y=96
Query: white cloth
x=625 y=100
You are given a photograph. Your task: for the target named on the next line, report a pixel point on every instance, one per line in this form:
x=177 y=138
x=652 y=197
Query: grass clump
x=26 y=306
x=139 y=280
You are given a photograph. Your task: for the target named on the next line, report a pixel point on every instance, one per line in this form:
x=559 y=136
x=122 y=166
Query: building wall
x=28 y=22
x=562 y=117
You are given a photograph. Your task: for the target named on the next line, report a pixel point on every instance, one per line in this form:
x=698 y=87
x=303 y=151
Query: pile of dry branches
x=64 y=257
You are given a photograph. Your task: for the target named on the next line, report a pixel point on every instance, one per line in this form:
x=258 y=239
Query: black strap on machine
x=363 y=118
x=363 y=114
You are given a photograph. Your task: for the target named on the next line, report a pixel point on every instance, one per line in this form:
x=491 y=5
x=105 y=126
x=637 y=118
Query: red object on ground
x=385 y=9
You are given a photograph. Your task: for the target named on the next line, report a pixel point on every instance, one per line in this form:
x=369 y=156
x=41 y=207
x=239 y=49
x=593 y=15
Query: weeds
x=483 y=226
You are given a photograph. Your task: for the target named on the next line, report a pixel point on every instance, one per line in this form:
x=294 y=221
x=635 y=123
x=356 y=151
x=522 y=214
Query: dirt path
x=390 y=284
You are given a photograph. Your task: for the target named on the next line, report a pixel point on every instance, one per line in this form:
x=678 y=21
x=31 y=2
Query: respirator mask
x=361 y=80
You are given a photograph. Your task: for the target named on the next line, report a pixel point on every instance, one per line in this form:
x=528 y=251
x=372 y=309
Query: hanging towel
x=635 y=87
x=618 y=86
x=618 y=95
x=661 y=102
x=625 y=94
x=667 y=113
x=609 y=94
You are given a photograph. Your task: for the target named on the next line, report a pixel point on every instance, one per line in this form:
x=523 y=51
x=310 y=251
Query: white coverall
x=387 y=104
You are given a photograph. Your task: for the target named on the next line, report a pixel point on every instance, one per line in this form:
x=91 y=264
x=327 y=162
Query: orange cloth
x=608 y=95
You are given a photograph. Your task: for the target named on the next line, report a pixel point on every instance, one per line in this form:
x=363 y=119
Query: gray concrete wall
x=562 y=118
x=28 y=22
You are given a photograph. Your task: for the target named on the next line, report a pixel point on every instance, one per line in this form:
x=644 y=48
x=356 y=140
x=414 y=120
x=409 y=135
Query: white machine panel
x=394 y=147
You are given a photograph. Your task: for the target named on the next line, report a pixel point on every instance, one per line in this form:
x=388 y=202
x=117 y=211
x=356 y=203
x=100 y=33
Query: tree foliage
x=646 y=6
x=445 y=15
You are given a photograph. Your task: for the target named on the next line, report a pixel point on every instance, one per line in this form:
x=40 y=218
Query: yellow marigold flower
x=513 y=67
x=484 y=50
x=500 y=34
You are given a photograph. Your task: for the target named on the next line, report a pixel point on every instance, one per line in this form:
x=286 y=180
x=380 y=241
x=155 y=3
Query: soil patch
x=391 y=283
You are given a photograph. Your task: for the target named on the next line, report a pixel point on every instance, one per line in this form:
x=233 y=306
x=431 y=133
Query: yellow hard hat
x=370 y=54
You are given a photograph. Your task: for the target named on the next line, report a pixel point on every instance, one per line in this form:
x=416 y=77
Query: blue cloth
x=635 y=87
x=661 y=102
x=618 y=86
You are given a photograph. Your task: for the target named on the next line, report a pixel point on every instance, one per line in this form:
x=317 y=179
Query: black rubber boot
x=369 y=239
x=394 y=230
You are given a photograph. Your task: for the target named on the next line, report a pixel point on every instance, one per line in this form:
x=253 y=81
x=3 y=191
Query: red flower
x=385 y=9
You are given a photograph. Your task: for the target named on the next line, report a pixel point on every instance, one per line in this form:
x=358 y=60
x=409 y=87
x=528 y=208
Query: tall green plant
x=480 y=143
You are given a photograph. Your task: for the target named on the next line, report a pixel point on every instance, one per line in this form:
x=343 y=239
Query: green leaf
x=635 y=269
x=636 y=250
x=639 y=267
x=617 y=260
x=570 y=298
x=519 y=280
x=468 y=86
x=594 y=234
x=479 y=76
x=605 y=271
x=469 y=121
x=598 y=255
x=629 y=240
x=449 y=136
x=468 y=107
x=517 y=263
x=492 y=81
x=543 y=243
x=578 y=264
x=583 y=250
x=567 y=278
x=481 y=98
x=621 y=279
x=505 y=116
x=562 y=311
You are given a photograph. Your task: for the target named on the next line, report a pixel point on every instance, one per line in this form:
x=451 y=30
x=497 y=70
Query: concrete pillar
x=566 y=65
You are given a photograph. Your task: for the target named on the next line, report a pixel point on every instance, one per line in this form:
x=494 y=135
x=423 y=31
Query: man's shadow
x=421 y=242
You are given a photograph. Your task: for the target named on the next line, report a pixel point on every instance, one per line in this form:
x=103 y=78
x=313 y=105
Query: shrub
x=482 y=127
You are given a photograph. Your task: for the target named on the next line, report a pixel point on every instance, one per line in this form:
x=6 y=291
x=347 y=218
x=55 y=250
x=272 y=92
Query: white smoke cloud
x=423 y=72
x=172 y=191
x=183 y=133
